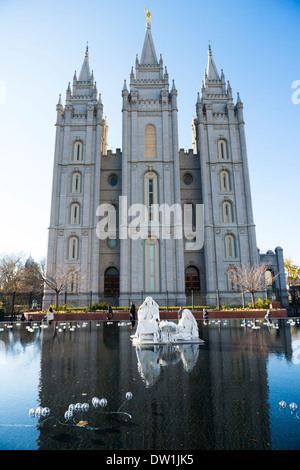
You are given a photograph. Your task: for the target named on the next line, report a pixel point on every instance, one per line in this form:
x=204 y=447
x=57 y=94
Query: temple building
x=197 y=223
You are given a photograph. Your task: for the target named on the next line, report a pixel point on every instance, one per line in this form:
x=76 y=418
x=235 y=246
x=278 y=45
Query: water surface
x=224 y=394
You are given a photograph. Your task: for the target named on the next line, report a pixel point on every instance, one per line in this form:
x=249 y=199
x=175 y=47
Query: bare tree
x=59 y=279
x=11 y=273
x=251 y=278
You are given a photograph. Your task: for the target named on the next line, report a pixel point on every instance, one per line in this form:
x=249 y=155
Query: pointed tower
x=219 y=134
x=150 y=176
x=80 y=143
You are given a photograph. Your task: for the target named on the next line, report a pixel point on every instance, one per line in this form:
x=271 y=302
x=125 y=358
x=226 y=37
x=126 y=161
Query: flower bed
x=164 y=315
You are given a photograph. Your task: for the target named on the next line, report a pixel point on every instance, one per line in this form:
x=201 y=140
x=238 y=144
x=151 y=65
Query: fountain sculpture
x=151 y=330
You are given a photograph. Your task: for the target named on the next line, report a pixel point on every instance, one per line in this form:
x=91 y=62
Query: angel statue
x=148 y=15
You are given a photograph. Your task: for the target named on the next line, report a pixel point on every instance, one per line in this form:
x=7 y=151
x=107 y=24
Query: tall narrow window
x=151 y=196
x=222 y=149
x=77 y=151
x=76 y=183
x=150 y=141
x=75 y=214
x=227 y=212
x=72 y=282
x=230 y=279
x=270 y=285
x=73 y=249
x=152 y=281
x=230 y=246
x=225 y=181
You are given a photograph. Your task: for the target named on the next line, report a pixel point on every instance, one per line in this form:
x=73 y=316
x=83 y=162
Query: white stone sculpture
x=148 y=320
x=187 y=326
x=151 y=330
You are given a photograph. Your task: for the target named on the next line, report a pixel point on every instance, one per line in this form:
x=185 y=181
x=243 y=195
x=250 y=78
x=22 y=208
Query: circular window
x=112 y=242
x=188 y=179
x=113 y=180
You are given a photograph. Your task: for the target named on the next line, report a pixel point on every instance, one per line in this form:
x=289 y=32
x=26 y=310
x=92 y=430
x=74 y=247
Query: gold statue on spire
x=148 y=14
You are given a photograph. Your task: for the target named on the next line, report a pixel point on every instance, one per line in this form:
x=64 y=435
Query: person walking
x=50 y=316
x=267 y=316
x=205 y=314
x=132 y=314
x=110 y=313
x=180 y=313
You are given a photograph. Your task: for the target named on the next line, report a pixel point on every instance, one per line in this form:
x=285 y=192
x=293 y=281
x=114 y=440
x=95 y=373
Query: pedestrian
x=110 y=313
x=23 y=318
x=50 y=316
x=205 y=314
x=180 y=313
x=267 y=316
x=132 y=315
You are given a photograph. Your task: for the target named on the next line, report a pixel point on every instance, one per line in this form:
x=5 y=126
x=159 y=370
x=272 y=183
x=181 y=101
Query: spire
x=85 y=74
x=212 y=72
x=148 y=54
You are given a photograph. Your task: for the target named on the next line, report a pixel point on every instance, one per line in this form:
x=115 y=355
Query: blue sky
x=256 y=43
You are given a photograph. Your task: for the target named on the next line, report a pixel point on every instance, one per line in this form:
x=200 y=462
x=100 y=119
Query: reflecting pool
x=224 y=394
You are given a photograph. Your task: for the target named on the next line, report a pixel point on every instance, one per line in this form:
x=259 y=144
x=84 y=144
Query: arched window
x=151 y=195
x=222 y=149
x=73 y=250
x=77 y=151
x=152 y=278
x=230 y=251
x=227 y=212
x=225 y=181
x=150 y=141
x=270 y=284
x=111 y=282
x=75 y=214
x=76 y=182
x=189 y=212
x=192 y=279
x=72 y=282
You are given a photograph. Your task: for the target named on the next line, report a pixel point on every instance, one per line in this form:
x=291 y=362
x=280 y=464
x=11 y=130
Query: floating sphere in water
x=32 y=412
x=85 y=407
x=293 y=406
x=128 y=396
x=45 y=411
x=68 y=415
x=282 y=404
x=95 y=402
x=103 y=402
x=38 y=411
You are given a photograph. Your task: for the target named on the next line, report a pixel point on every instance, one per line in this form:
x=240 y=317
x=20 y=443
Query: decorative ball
x=103 y=402
x=71 y=407
x=38 y=411
x=128 y=396
x=78 y=407
x=95 y=402
x=85 y=407
x=45 y=411
x=32 y=412
x=282 y=404
x=68 y=415
x=293 y=406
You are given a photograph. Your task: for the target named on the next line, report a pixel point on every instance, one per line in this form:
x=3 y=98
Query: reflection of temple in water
x=213 y=397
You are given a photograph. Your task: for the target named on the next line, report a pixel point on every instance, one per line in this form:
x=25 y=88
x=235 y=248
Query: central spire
x=212 y=72
x=85 y=74
x=149 y=56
